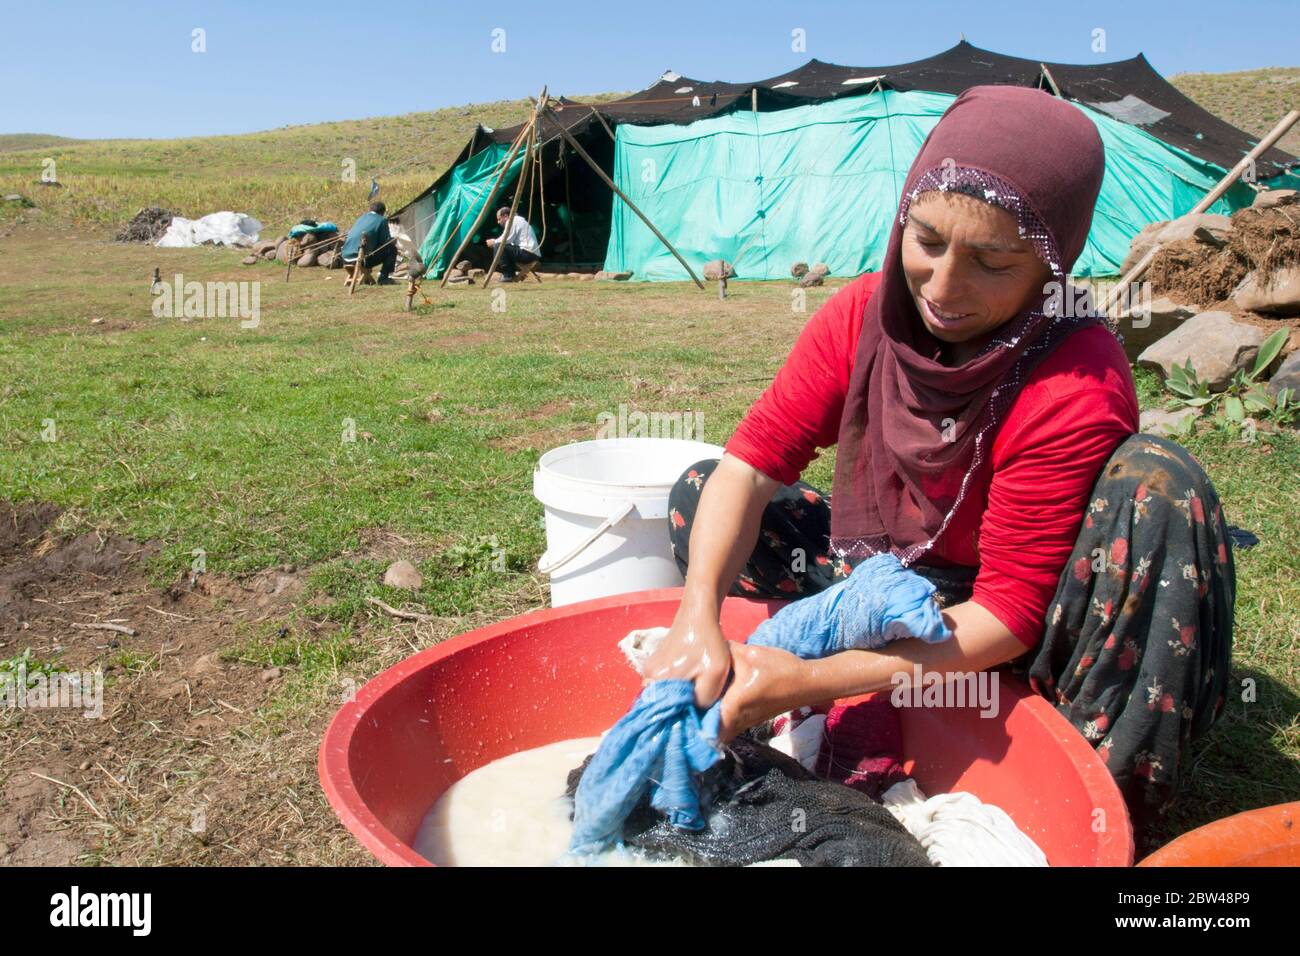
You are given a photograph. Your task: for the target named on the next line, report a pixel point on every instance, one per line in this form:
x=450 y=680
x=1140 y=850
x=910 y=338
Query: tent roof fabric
x=1130 y=91
x=1134 y=83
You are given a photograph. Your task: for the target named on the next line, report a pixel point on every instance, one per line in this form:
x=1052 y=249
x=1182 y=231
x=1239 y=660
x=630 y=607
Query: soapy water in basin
x=514 y=812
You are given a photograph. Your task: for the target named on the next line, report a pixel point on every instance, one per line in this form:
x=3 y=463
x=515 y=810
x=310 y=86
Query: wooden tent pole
x=1051 y=80
x=1276 y=133
x=596 y=113
x=534 y=174
x=568 y=206
x=487 y=202
x=514 y=203
x=621 y=195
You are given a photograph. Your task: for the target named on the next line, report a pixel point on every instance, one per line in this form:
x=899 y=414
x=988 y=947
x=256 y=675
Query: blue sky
x=101 y=68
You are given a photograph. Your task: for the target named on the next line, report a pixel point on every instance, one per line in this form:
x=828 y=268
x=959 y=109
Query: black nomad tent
x=1168 y=152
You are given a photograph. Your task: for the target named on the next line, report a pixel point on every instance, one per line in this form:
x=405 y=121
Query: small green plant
x=26 y=662
x=1189 y=391
x=1282 y=408
x=133 y=662
x=1245 y=400
x=482 y=553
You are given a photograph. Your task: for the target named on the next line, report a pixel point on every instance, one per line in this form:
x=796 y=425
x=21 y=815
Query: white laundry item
x=958 y=829
x=218 y=228
x=800 y=736
x=640 y=644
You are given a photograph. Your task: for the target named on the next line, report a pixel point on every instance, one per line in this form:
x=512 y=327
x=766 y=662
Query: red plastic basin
x=555 y=674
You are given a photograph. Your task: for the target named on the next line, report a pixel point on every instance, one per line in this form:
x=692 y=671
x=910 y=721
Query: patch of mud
x=172 y=708
x=33 y=554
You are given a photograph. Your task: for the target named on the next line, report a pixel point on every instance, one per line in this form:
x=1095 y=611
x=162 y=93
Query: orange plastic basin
x=1269 y=836
x=555 y=674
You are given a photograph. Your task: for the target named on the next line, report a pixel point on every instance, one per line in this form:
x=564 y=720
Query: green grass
x=205 y=435
x=209 y=437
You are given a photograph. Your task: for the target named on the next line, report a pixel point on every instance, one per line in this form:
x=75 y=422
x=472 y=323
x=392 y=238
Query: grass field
x=203 y=435
x=251 y=484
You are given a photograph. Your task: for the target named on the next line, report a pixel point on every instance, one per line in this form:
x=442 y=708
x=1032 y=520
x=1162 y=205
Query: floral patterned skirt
x=1137 y=644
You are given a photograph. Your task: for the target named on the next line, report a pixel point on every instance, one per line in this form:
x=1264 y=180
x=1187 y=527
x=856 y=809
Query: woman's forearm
x=980 y=641
x=724 y=532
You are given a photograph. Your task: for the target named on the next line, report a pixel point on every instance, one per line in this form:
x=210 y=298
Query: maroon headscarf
x=915 y=432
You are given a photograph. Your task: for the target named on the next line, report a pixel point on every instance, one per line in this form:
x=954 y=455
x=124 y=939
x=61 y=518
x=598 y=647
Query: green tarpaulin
x=459 y=200
x=821 y=184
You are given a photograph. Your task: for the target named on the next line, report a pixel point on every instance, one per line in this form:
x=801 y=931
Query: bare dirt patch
x=179 y=769
x=542 y=439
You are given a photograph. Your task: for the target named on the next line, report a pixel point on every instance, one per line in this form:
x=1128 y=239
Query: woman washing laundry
x=986 y=440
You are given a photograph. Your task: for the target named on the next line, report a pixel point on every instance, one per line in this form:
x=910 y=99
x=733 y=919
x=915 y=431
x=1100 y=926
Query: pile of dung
x=148 y=225
x=1196 y=273
x=1201 y=274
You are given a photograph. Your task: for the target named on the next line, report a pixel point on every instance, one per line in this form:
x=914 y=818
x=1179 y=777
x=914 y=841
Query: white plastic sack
x=218 y=228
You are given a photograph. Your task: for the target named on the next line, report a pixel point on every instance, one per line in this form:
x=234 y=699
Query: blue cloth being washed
x=881 y=601
x=659 y=744
x=664 y=740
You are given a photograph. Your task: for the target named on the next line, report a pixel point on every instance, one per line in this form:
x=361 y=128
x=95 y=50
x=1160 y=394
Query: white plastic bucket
x=606 y=505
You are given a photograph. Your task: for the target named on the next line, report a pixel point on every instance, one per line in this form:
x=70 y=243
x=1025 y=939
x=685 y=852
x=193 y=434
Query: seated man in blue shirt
x=381 y=250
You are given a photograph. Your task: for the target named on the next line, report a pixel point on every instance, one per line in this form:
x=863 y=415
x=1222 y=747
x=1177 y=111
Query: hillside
x=1253 y=100
x=282 y=175
x=279 y=175
x=15 y=141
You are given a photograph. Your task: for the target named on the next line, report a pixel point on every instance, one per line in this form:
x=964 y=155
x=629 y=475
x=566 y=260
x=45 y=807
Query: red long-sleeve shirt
x=1019 y=523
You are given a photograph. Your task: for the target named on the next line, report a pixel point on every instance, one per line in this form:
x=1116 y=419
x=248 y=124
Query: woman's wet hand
x=766 y=682
x=694 y=649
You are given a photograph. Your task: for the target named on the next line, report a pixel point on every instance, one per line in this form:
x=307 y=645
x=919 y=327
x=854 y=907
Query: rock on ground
x=615 y=276
x=1287 y=375
x=403 y=574
x=1277 y=292
x=1208 y=228
x=1215 y=344
x=1155 y=421
x=1140 y=331
x=717 y=269
x=1268 y=198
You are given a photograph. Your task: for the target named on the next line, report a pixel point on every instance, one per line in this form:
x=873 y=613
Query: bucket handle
x=619 y=514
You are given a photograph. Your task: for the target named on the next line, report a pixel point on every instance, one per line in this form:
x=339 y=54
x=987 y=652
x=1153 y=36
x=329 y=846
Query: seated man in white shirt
x=519 y=244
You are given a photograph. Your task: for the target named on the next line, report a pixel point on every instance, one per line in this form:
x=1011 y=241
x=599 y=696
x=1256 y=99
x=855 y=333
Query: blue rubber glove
x=879 y=602
x=660 y=744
